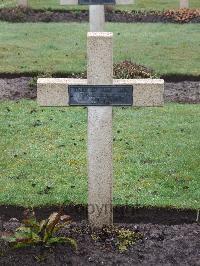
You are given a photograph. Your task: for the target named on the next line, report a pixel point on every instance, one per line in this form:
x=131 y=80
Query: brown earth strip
x=122 y=214
x=24 y=87
x=168 y=16
x=158 y=244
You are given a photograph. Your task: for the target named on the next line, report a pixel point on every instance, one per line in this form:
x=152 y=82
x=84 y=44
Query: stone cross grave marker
x=22 y=3
x=96 y=10
x=184 y=3
x=99 y=93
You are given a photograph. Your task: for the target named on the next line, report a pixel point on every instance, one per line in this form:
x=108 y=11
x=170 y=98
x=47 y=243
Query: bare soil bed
x=158 y=245
x=22 y=87
x=168 y=16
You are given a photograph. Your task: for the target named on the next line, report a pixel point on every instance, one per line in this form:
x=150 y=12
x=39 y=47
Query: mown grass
x=139 y=4
x=61 y=47
x=43 y=155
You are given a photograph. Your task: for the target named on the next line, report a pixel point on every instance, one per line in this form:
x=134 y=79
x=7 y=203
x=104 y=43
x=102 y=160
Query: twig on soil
x=197 y=220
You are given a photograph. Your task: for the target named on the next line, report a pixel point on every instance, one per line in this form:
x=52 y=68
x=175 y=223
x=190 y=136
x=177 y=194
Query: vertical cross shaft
x=22 y=3
x=99 y=72
x=97 y=18
x=184 y=3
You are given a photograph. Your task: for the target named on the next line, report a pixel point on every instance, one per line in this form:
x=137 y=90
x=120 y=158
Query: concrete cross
x=184 y=3
x=22 y=3
x=96 y=10
x=66 y=92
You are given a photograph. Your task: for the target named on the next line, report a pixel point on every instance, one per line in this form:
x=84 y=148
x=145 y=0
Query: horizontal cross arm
x=54 y=91
x=117 y=2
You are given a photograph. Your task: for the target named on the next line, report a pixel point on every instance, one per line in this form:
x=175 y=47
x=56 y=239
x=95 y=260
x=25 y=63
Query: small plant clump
x=129 y=70
x=124 y=70
x=126 y=238
x=120 y=239
x=42 y=233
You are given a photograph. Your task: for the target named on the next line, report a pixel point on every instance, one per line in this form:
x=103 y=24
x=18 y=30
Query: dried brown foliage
x=129 y=70
x=182 y=15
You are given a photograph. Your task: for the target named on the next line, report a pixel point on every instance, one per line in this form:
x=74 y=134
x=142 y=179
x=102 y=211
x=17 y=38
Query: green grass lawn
x=61 y=47
x=43 y=155
x=139 y=4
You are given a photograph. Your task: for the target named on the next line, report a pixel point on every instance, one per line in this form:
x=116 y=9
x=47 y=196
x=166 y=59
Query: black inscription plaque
x=100 y=95
x=96 y=2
